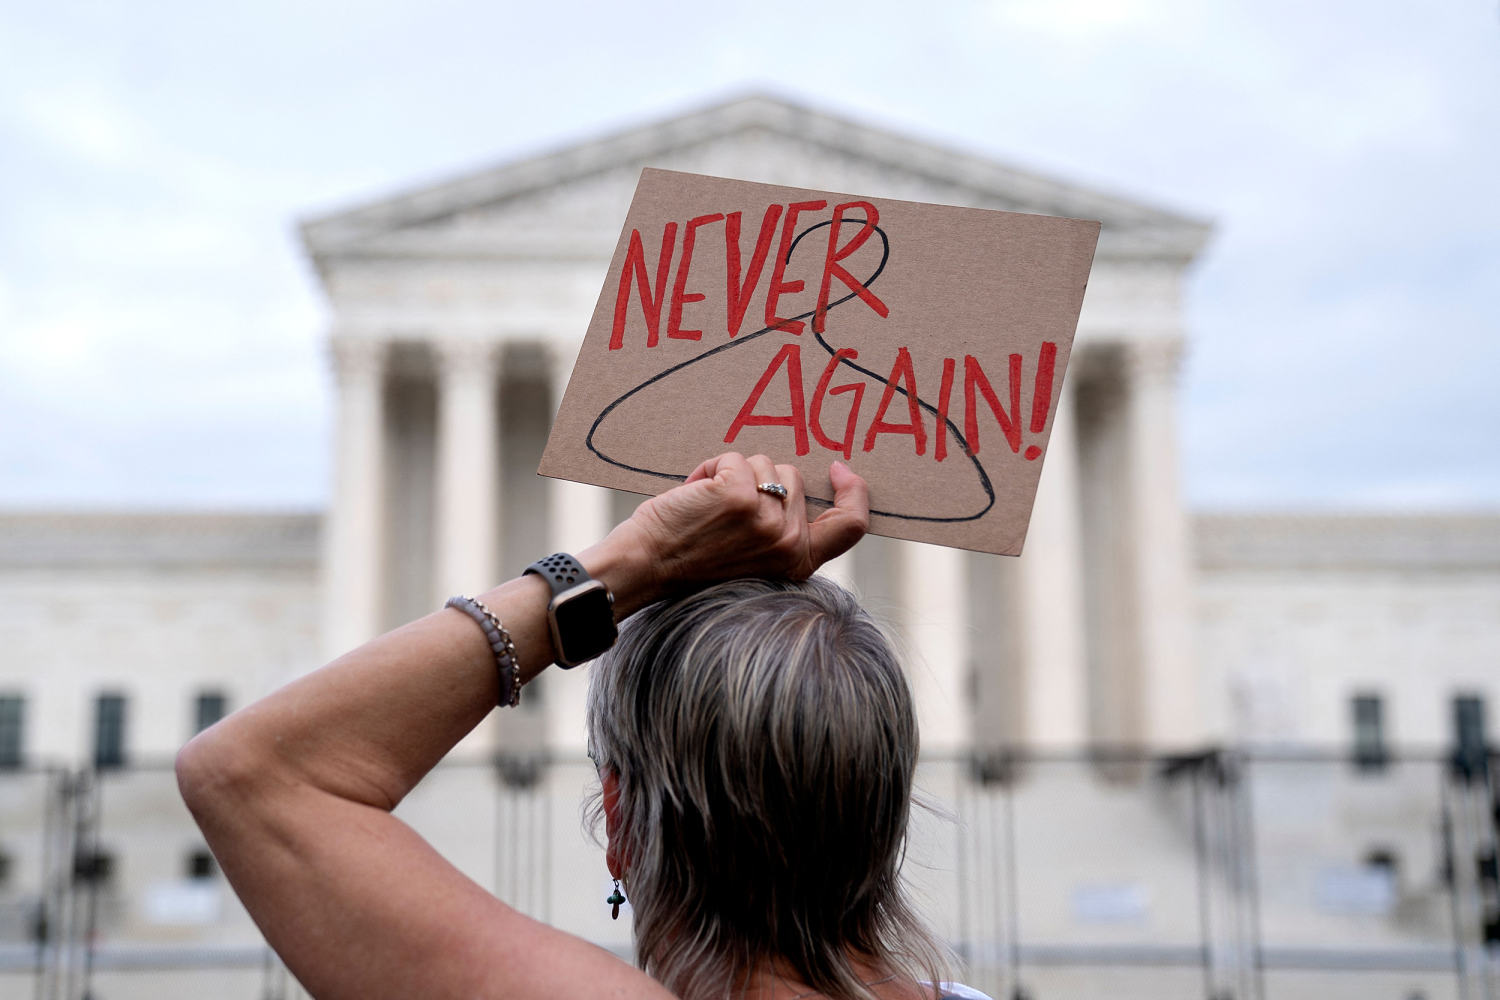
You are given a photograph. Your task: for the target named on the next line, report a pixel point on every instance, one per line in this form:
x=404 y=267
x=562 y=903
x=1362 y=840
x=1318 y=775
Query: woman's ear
x=614 y=856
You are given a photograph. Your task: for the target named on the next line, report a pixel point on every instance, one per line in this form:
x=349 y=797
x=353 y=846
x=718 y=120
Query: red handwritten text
x=980 y=398
x=648 y=289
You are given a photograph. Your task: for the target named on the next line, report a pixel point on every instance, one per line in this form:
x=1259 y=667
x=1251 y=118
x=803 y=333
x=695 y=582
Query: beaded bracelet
x=506 y=664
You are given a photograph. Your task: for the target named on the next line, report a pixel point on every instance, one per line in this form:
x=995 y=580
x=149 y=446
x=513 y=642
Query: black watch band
x=581 y=613
x=561 y=571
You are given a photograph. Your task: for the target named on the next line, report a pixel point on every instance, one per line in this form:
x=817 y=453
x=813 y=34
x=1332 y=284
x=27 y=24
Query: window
x=12 y=717
x=1369 y=732
x=209 y=708
x=1468 y=731
x=109 y=730
x=200 y=864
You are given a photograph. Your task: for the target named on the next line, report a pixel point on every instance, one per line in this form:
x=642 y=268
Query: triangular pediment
x=570 y=202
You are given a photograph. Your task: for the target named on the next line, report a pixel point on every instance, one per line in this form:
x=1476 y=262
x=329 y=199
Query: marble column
x=935 y=613
x=580 y=513
x=468 y=455
x=353 y=534
x=580 y=516
x=1109 y=595
x=1046 y=588
x=1159 y=567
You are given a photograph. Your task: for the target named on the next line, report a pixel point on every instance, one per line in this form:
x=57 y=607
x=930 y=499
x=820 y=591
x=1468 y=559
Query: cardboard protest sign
x=925 y=345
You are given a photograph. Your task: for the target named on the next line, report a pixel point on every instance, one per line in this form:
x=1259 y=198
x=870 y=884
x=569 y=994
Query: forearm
x=368 y=726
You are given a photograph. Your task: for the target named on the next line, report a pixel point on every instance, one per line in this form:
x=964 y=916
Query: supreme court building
x=456 y=311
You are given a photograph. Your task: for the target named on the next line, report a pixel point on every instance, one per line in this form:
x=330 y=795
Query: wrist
x=623 y=563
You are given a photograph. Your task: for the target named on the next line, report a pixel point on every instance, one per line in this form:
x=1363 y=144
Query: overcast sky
x=160 y=332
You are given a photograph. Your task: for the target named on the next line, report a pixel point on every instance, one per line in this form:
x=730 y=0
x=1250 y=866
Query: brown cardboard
x=941 y=305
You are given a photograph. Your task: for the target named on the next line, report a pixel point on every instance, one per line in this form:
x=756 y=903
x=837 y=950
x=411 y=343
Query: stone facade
x=156 y=608
x=1293 y=616
x=1298 y=614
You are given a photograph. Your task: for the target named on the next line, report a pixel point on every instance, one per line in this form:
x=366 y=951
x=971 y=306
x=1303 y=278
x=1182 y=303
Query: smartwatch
x=581 y=614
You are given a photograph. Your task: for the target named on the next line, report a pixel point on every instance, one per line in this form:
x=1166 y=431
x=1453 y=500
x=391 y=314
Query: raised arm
x=294 y=792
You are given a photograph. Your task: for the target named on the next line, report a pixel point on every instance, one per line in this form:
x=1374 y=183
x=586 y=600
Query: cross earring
x=615 y=899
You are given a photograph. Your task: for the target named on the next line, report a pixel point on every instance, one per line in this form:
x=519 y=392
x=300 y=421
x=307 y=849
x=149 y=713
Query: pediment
x=570 y=203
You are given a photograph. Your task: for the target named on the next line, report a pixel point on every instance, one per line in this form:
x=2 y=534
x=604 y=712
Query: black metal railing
x=1223 y=875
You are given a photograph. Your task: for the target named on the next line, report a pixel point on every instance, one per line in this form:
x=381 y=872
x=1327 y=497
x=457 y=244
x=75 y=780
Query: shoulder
x=958 y=991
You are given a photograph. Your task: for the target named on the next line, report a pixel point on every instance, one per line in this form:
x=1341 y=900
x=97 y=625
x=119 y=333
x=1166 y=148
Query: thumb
x=837 y=529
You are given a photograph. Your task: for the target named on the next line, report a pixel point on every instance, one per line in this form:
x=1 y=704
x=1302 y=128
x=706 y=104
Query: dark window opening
x=201 y=864
x=109 y=730
x=1370 y=751
x=210 y=707
x=1468 y=723
x=12 y=720
x=1470 y=752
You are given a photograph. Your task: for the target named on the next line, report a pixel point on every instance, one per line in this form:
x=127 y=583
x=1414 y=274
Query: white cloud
x=1078 y=19
x=82 y=121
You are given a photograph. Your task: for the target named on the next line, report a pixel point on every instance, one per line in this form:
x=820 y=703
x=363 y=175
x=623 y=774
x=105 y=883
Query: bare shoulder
x=961 y=992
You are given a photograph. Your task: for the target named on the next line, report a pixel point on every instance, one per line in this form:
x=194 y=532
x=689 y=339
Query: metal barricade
x=1226 y=875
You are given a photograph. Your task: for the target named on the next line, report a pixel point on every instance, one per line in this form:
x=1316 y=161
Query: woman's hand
x=717 y=526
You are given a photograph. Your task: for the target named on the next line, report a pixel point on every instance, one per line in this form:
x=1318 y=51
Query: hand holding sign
x=923 y=344
x=718 y=526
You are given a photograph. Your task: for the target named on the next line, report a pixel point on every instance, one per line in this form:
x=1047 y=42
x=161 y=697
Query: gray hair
x=764 y=742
